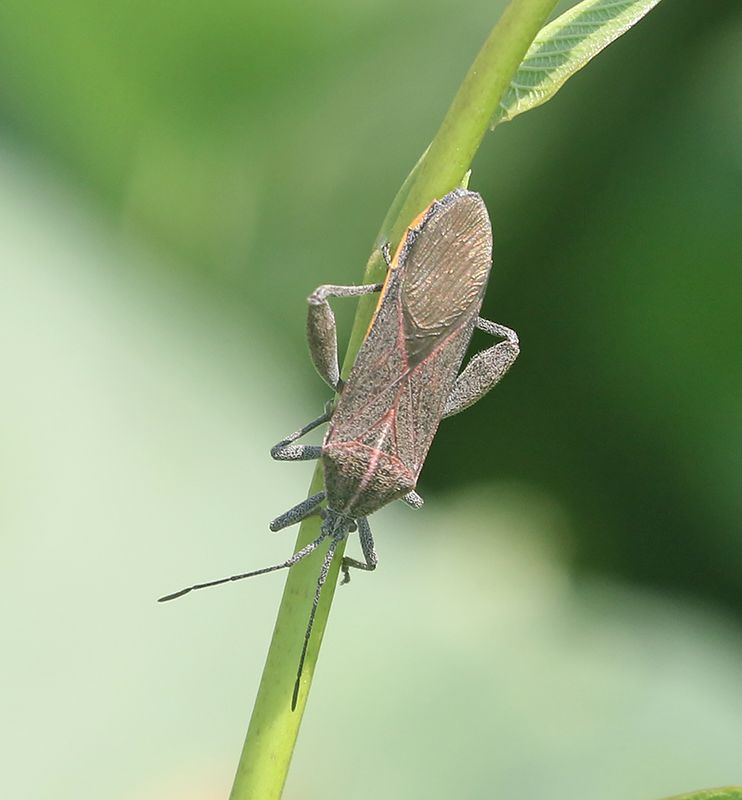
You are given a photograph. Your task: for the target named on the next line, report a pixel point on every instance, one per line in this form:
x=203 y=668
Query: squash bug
x=405 y=380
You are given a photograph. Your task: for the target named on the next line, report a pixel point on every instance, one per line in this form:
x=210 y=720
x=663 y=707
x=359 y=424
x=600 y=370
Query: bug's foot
x=386 y=254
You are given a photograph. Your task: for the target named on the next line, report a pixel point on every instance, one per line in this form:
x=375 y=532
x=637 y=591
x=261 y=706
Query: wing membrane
x=395 y=394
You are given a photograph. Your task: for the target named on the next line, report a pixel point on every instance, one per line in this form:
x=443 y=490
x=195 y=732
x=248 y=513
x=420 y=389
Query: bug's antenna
x=305 y=551
x=320 y=583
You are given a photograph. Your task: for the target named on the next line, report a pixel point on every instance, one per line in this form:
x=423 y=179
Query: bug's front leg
x=322 y=331
x=367 y=547
x=299 y=512
x=286 y=451
x=484 y=370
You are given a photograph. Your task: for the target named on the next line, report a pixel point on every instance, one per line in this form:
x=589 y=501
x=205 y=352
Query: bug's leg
x=298 y=555
x=386 y=253
x=413 y=500
x=299 y=512
x=322 y=332
x=286 y=451
x=367 y=547
x=484 y=370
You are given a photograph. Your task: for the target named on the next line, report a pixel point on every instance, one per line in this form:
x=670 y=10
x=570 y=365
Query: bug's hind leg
x=484 y=370
x=286 y=451
x=367 y=547
x=322 y=331
x=299 y=512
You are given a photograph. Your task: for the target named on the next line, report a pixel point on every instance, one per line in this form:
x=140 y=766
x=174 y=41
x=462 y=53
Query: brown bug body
x=389 y=410
x=405 y=380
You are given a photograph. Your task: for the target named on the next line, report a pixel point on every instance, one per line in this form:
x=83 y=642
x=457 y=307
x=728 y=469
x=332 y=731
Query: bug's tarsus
x=368 y=549
x=298 y=556
x=413 y=500
x=386 y=253
x=286 y=451
x=299 y=512
x=336 y=539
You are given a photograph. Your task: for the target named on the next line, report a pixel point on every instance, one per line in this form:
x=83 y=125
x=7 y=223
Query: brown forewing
x=395 y=394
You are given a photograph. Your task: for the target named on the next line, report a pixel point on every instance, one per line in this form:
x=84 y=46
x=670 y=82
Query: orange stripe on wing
x=395 y=262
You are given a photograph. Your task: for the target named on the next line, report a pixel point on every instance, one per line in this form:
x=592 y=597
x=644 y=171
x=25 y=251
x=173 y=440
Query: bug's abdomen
x=360 y=479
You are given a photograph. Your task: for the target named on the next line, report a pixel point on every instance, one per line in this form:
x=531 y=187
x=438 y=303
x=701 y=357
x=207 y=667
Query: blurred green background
x=563 y=618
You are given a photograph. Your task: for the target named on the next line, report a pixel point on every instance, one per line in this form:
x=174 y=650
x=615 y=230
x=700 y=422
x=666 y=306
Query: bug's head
x=336 y=524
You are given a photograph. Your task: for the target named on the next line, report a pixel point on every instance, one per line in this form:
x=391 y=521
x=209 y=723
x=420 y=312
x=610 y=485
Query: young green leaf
x=563 y=47
x=727 y=793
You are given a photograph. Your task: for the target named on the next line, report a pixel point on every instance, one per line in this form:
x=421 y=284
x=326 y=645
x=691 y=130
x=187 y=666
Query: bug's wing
x=446 y=270
x=378 y=375
x=447 y=264
x=361 y=457
x=395 y=394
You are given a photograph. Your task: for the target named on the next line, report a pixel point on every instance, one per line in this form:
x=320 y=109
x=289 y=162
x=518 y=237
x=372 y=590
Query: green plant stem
x=273 y=728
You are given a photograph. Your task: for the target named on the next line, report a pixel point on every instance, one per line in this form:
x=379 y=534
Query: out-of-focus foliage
x=242 y=154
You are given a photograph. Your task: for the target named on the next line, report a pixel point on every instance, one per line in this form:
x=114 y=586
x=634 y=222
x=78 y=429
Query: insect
x=405 y=380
